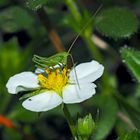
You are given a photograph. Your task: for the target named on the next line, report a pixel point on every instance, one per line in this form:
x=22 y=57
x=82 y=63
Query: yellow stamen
x=55 y=80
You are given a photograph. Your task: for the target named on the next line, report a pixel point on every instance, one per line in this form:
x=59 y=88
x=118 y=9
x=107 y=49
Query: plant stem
x=92 y=48
x=74 y=9
x=87 y=37
x=69 y=120
x=55 y=39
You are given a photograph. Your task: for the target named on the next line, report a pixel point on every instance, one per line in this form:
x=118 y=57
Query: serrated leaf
x=108 y=109
x=131 y=58
x=134 y=135
x=14 y=19
x=116 y=23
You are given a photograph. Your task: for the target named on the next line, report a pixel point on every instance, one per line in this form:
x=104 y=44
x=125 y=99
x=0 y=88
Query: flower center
x=54 y=80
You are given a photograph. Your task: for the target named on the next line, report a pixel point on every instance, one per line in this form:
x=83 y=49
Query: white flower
x=59 y=85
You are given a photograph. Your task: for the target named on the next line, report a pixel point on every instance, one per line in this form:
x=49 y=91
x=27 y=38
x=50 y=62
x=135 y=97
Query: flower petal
x=76 y=94
x=42 y=102
x=22 y=82
x=86 y=72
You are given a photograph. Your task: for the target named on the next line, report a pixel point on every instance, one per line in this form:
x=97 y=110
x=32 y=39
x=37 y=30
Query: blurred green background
x=45 y=27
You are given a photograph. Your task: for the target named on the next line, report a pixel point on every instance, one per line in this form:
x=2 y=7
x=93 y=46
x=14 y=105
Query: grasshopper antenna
x=94 y=14
x=74 y=70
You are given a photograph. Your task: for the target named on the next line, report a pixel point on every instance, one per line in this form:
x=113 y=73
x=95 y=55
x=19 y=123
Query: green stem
x=87 y=37
x=70 y=121
x=92 y=48
x=74 y=9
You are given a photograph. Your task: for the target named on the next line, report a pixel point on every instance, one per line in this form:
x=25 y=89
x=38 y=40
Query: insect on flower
x=47 y=62
x=55 y=83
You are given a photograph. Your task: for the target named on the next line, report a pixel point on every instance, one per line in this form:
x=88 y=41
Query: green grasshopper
x=47 y=62
x=59 y=58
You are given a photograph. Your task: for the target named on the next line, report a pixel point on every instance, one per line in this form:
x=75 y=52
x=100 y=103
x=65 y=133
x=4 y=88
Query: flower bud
x=85 y=126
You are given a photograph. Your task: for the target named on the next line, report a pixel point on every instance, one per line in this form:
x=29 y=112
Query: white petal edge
x=22 y=82
x=86 y=72
x=42 y=102
x=74 y=94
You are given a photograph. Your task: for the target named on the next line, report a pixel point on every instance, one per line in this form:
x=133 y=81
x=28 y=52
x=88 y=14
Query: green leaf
x=134 y=135
x=14 y=19
x=108 y=109
x=13 y=59
x=10 y=56
x=116 y=23
x=35 y=4
x=131 y=58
